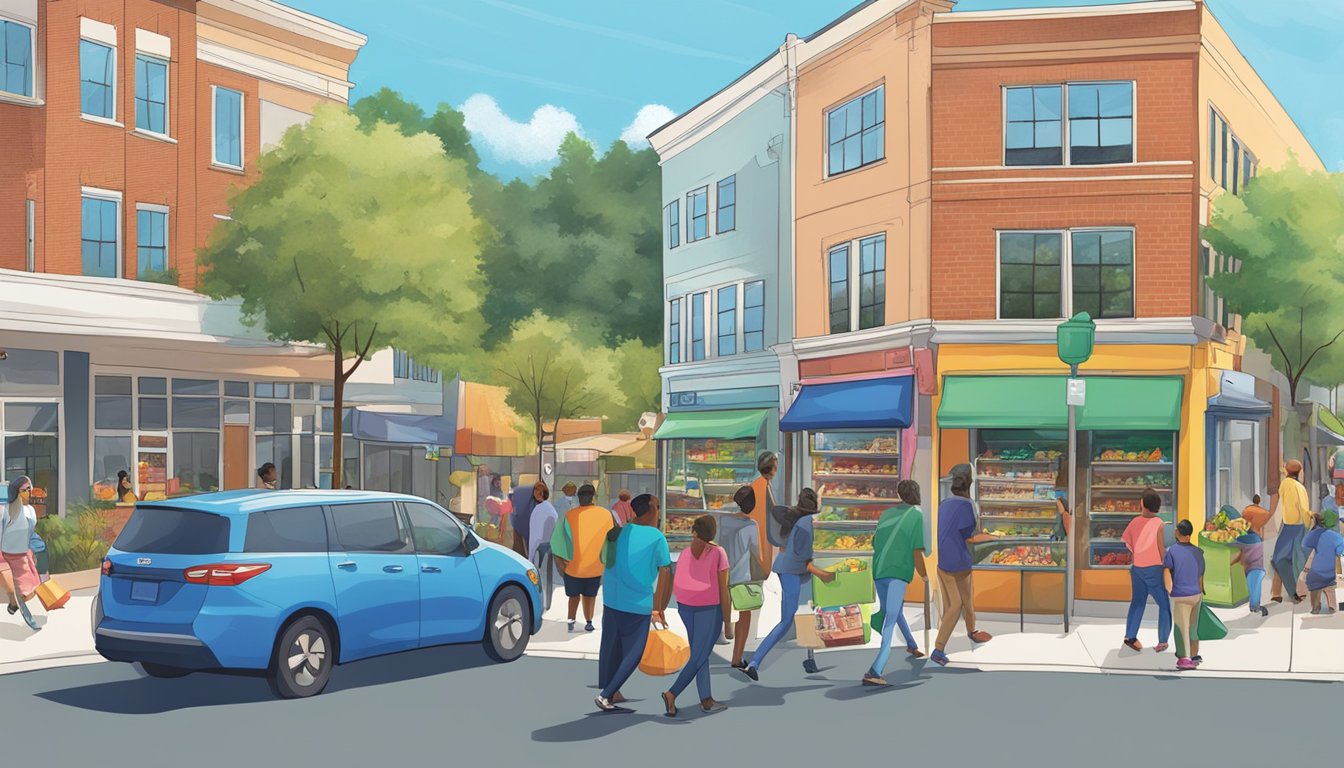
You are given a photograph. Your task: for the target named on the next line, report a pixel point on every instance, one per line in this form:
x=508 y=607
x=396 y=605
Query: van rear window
x=168 y=531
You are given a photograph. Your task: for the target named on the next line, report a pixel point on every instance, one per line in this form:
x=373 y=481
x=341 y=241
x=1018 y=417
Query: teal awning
x=712 y=425
x=1038 y=402
x=1141 y=404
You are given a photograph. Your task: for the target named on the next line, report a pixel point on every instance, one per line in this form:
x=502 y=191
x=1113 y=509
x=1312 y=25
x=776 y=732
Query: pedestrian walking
x=1143 y=538
x=125 y=493
x=898 y=552
x=577 y=546
x=621 y=511
x=18 y=567
x=542 y=523
x=957 y=528
x=767 y=464
x=700 y=583
x=637 y=592
x=1324 y=546
x=1186 y=563
x=266 y=475
x=524 y=499
x=1293 y=513
x=793 y=566
x=568 y=499
x=1251 y=553
x=740 y=537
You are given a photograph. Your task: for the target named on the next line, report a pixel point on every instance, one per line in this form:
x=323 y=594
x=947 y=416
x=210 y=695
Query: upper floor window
x=862 y=304
x=725 y=219
x=151 y=95
x=405 y=367
x=97 y=79
x=228 y=131
x=674 y=224
x=873 y=282
x=726 y=320
x=151 y=236
x=697 y=208
x=698 y=326
x=753 y=316
x=838 y=271
x=16 y=58
x=674 y=331
x=855 y=132
x=1099 y=128
x=100 y=234
x=1050 y=275
x=1231 y=164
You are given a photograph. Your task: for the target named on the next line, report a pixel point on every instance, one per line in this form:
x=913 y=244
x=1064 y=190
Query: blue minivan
x=288 y=584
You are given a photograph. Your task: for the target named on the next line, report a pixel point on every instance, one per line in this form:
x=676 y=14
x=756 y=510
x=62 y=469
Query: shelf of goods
x=1015 y=496
x=152 y=475
x=704 y=474
x=677 y=524
x=1116 y=482
x=855 y=475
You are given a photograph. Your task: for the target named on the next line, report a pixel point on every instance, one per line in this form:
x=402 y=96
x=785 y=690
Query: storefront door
x=237 y=468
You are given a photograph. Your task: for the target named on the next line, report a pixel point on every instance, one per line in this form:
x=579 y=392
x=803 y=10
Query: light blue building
x=727 y=277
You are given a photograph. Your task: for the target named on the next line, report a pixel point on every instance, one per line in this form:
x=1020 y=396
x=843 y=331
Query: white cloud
x=650 y=116
x=536 y=142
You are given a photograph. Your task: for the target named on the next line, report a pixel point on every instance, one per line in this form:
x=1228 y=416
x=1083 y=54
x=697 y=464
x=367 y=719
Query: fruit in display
x=1112 y=558
x=849 y=565
x=1114 y=454
x=680 y=523
x=1026 y=556
x=1109 y=533
x=1123 y=506
x=1022 y=454
x=835 y=540
x=1225 y=530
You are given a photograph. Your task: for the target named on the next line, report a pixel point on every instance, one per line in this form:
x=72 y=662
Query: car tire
x=162 y=671
x=303 y=659
x=508 y=625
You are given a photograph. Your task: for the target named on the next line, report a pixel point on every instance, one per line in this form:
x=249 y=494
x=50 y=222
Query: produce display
x=680 y=523
x=999 y=472
x=850 y=514
x=1113 y=454
x=1117 y=506
x=1021 y=454
x=704 y=474
x=1111 y=558
x=713 y=451
x=853 y=466
x=724 y=473
x=1020 y=530
x=1108 y=532
x=1155 y=480
x=1223 y=530
x=990 y=491
x=848 y=565
x=855 y=443
x=1021 y=513
x=1026 y=556
x=841 y=541
x=849 y=490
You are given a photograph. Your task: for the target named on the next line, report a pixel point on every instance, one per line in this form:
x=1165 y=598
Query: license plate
x=146 y=591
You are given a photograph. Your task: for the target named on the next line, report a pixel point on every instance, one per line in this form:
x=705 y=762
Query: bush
x=77 y=542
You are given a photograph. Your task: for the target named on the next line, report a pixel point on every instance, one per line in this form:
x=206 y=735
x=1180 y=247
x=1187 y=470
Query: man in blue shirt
x=637 y=560
x=956 y=532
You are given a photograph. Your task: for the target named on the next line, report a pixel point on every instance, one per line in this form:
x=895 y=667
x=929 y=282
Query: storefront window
x=1017 y=476
x=110 y=456
x=153 y=413
x=195 y=463
x=393 y=469
x=704 y=475
x=1123 y=466
x=195 y=413
x=349 y=460
x=29 y=371
x=855 y=475
x=112 y=402
x=279 y=450
x=1240 y=463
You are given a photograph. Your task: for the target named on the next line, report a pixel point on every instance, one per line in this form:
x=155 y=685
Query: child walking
x=1323 y=546
x=1186 y=563
x=1251 y=553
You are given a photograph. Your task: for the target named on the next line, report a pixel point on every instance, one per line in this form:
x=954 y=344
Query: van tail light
x=107 y=567
x=224 y=574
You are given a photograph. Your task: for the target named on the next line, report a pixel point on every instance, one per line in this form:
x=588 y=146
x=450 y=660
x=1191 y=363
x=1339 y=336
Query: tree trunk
x=337 y=422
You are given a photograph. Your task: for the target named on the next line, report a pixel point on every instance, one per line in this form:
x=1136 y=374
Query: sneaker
x=751 y=673
x=603 y=703
x=876 y=681
x=1197 y=659
x=939 y=658
x=1265 y=611
x=711 y=706
x=980 y=636
x=1133 y=644
x=1185 y=665
x=571 y=625
x=588 y=627
x=1160 y=648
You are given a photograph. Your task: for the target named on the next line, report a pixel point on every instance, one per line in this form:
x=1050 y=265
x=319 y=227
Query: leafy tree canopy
x=446 y=124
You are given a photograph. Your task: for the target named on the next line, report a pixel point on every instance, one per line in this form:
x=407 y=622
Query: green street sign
x=1074 y=339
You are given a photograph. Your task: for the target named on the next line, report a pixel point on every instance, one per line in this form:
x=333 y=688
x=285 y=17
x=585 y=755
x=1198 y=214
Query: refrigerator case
x=1015 y=498
x=702 y=477
x=1122 y=468
x=855 y=475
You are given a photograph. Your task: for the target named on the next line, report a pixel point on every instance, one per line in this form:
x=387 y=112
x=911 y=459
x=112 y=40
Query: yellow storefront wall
x=1198 y=366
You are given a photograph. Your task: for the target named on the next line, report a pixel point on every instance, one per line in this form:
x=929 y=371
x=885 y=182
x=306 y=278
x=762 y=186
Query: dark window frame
x=872 y=121
x=729 y=183
x=719 y=320
x=839 y=254
x=700 y=195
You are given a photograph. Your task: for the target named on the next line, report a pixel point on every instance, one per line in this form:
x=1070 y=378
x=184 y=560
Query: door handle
x=392 y=569
x=431 y=569
x=348 y=565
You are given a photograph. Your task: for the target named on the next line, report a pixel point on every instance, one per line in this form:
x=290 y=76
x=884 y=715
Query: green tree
x=553 y=373
x=446 y=124
x=1284 y=233
x=637 y=374
x=356 y=241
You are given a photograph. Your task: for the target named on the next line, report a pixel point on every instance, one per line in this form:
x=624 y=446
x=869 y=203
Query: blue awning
x=871 y=404
x=411 y=428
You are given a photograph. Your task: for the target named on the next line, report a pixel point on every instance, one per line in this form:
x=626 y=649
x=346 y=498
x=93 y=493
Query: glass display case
x=1017 y=473
x=1123 y=466
x=702 y=476
x=855 y=476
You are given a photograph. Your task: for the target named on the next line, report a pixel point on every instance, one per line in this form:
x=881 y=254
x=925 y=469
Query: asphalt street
x=451 y=706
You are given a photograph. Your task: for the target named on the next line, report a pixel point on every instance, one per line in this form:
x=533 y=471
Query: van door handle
x=392 y=568
x=348 y=565
x=431 y=569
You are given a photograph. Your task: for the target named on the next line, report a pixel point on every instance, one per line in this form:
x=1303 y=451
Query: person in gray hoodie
x=740 y=537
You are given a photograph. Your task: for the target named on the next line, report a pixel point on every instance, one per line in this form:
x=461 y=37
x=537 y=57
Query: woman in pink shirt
x=1143 y=536
x=701 y=588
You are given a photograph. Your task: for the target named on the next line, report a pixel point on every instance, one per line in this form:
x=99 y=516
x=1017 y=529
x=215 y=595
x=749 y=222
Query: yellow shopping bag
x=52 y=595
x=665 y=653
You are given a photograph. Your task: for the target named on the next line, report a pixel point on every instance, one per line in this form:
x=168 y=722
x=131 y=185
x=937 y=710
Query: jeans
x=1288 y=556
x=892 y=594
x=1255 y=582
x=623 y=638
x=703 y=625
x=792 y=585
x=1145 y=583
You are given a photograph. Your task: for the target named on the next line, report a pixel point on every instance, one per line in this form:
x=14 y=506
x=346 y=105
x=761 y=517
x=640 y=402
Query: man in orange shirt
x=767 y=464
x=577 y=547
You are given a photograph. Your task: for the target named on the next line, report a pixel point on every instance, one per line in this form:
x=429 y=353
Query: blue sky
x=528 y=71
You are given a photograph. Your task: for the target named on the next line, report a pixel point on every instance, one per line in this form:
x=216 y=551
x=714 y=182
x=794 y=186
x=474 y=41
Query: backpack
x=777 y=525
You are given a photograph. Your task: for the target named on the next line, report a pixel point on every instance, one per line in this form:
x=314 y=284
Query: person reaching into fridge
x=793 y=565
x=898 y=553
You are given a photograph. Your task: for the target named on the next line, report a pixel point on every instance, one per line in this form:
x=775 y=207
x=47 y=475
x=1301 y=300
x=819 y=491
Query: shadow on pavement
x=596 y=725
x=150 y=696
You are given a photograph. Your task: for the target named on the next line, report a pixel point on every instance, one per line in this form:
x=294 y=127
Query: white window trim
x=737 y=316
x=18 y=98
x=667 y=222
x=113 y=196
x=242 y=128
x=742 y=317
x=1064 y=120
x=826 y=133
x=1232 y=139
x=167 y=99
x=708 y=324
x=681 y=329
x=1066 y=267
x=715 y=231
x=853 y=279
x=116 y=77
x=690 y=216
x=167 y=238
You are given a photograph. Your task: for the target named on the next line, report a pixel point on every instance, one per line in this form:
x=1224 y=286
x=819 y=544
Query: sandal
x=670 y=702
x=875 y=681
x=980 y=636
x=914 y=652
x=1160 y=648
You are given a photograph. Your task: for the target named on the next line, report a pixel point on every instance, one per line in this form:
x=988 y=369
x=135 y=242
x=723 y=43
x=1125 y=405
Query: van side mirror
x=469 y=544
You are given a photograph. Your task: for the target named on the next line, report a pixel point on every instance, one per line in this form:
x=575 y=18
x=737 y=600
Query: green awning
x=712 y=425
x=1330 y=425
x=1122 y=403
x=1003 y=402
x=1038 y=402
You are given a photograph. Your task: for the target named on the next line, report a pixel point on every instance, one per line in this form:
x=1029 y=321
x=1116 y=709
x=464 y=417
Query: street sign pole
x=1074 y=340
x=1069 y=566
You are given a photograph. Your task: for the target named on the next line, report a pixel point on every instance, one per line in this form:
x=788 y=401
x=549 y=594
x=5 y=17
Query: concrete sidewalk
x=1288 y=644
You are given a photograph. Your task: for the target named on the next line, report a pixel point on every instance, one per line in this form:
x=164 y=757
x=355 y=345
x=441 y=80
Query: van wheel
x=162 y=670
x=508 y=625
x=303 y=659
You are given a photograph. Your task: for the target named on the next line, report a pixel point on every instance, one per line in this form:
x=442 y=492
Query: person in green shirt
x=898 y=552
